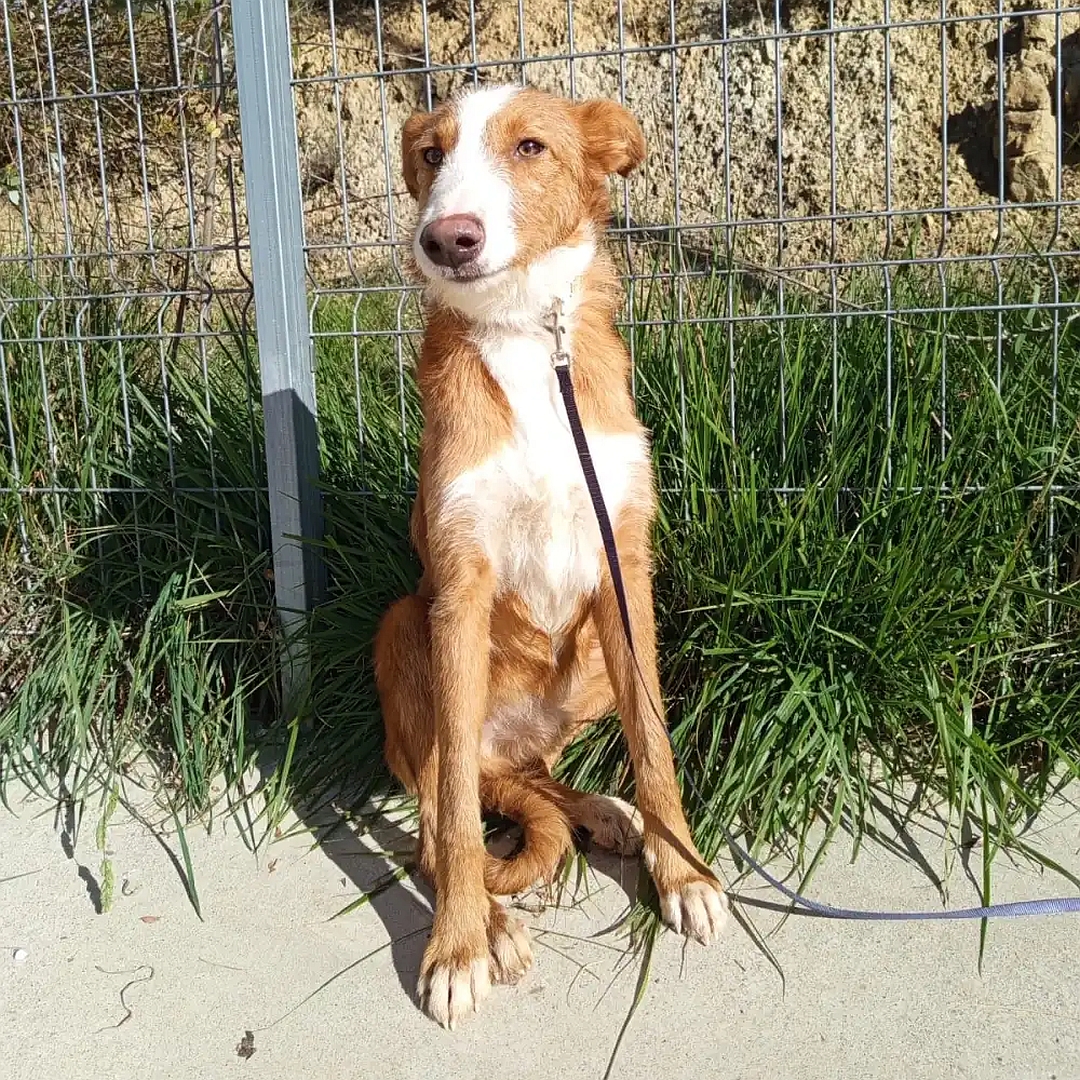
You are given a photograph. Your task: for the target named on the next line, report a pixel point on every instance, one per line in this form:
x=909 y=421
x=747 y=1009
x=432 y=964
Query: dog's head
x=505 y=175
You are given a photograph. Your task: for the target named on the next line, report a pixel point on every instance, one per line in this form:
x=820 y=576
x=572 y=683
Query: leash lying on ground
x=560 y=360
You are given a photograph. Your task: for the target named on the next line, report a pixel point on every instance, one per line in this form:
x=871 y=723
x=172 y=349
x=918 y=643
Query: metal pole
x=286 y=356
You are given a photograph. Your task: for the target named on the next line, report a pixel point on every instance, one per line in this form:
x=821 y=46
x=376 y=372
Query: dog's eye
x=433 y=156
x=529 y=148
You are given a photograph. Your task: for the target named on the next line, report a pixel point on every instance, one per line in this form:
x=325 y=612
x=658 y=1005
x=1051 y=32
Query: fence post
x=286 y=357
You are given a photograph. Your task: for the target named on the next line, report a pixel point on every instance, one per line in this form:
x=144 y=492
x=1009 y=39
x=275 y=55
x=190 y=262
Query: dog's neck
x=521 y=300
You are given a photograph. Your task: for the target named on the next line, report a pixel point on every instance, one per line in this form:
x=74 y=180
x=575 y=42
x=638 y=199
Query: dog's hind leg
x=403 y=678
x=585 y=696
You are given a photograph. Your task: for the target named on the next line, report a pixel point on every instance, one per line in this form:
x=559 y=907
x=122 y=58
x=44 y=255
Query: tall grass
x=137 y=604
x=858 y=582
x=850 y=596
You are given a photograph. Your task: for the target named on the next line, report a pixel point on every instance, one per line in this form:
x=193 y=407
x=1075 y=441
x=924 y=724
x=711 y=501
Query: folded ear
x=410 y=132
x=614 y=141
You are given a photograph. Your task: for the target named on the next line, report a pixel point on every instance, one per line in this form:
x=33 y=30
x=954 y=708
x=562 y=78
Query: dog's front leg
x=691 y=899
x=455 y=975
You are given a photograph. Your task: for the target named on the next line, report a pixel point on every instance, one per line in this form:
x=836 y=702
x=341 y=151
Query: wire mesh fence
x=853 y=212
x=121 y=244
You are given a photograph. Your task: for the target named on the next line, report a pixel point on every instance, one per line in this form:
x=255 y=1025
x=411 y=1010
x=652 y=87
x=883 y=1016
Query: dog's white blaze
x=470 y=181
x=528 y=502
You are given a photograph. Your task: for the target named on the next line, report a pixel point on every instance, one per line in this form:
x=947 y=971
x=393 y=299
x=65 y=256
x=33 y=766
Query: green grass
x=900 y=612
x=134 y=621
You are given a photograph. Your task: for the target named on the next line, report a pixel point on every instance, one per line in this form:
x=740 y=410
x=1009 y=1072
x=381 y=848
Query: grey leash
x=1060 y=906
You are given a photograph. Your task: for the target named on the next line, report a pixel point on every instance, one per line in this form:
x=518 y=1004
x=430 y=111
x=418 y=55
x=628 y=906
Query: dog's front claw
x=453 y=983
x=698 y=909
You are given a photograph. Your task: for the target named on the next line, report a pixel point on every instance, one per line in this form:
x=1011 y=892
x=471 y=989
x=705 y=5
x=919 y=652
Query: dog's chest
x=528 y=502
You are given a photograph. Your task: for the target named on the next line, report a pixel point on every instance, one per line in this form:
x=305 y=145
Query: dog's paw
x=453 y=982
x=698 y=909
x=613 y=824
x=509 y=946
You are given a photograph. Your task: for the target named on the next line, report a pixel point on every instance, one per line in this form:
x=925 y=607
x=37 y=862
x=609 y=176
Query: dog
x=512 y=643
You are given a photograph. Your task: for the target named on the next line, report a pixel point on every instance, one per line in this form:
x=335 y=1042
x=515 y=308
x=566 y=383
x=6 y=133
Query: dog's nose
x=453 y=241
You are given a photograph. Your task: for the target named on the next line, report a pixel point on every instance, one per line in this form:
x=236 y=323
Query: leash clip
x=560 y=358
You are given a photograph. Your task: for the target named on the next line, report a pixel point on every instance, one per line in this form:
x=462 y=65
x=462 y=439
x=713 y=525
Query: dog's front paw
x=697 y=908
x=454 y=978
x=508 y=945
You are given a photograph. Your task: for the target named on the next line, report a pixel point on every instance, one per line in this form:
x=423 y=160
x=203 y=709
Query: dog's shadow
x=374 y=850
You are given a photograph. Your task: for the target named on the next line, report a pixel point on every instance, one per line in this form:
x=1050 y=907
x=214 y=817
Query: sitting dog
x=513 y=643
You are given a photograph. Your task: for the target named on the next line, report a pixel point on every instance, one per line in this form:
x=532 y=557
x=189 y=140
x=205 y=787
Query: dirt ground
x=711 y=109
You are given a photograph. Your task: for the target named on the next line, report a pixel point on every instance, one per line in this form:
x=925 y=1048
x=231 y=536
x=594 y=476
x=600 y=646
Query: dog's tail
x=535 y=805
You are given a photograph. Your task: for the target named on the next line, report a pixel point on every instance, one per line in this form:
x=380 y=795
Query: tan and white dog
x=513 y=643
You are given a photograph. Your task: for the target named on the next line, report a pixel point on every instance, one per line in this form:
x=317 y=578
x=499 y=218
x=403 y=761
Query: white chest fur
x=528 y=502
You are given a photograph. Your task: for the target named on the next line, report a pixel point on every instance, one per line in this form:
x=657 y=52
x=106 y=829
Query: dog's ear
x=410 y=133
x=614 y=141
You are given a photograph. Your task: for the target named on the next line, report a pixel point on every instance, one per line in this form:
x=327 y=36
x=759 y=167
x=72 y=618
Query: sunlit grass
x=867 y=579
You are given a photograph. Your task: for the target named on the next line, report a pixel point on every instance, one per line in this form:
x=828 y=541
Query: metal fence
x=161 y=158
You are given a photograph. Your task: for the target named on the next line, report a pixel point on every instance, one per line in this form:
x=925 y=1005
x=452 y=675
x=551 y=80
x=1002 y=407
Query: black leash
x=607 y=534
x=560 y=360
